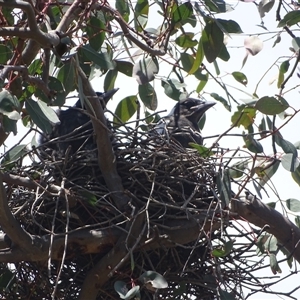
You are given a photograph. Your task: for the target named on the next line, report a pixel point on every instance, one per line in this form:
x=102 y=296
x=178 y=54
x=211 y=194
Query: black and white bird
x=75 y=129
x=182 y=122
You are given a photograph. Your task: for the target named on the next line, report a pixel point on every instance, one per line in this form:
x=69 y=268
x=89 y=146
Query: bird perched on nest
x=182 y=122
x=74 y=128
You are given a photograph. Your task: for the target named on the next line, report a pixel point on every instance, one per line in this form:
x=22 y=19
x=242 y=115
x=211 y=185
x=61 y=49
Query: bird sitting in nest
x=75 y=129
x=182 y=122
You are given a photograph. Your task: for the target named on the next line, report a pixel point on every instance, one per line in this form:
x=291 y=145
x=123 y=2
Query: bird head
x=103 y=98
x=192 y=109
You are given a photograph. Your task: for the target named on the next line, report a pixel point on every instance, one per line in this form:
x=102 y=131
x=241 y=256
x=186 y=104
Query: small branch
x=129 y=36
x=26 y=77
x=33 y=185
x=45 y=39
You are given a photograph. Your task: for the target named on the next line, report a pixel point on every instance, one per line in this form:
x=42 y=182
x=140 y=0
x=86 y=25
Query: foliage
x=145 y=185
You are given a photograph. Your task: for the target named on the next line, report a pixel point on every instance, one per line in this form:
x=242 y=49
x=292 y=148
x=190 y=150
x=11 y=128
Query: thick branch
x=80 y=242
x=71 y=14
x=259 y=214
x=92 y=241
x=101 y=272
x=45 y=39
x=106 y=157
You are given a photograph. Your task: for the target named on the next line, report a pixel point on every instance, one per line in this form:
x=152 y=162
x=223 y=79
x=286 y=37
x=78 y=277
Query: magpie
x=74 y=129
x=182 y=122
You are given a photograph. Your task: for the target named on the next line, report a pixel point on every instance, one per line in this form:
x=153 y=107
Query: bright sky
x=218 y=119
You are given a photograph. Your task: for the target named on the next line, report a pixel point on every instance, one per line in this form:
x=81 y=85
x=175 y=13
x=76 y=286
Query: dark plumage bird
x=74 y=129
x=182 y=122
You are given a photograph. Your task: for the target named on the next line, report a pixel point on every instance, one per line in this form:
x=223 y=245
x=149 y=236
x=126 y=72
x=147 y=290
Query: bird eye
x=189 y=103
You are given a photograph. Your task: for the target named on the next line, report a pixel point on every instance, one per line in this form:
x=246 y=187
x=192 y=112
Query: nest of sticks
x=176 y=187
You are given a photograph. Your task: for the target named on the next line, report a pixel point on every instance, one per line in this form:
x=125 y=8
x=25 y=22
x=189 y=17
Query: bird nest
x=173 y=186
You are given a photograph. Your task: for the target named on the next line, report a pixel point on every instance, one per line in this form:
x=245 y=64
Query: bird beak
x=200 y=109
x=108 y=95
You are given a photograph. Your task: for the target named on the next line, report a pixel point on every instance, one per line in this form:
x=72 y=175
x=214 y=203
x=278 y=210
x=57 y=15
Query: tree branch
x=45 y=39
x=260 y=214
x=106 y=157
x=80 y=242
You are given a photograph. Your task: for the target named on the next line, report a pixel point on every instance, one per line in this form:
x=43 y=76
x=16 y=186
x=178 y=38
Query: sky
x=217 y=118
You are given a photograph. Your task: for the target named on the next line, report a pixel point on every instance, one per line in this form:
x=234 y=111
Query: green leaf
x=202 y=83
x=252 y=144
x=224 y=187
x=222 y=100
x=156 y=280
x=121 y=288
x=229 y=26
x=199 y=58
x=103 y=59
x=217 y=6
x=244 y=116
x=286 y=146
x=122 y=7
x=110 y=79
x=271 y=244
x=265 y=6
x=271 y=105
x=240 y=77
x=297 y=221
x=212 y=40
x=66 y=75
x=237 y=169
x=145 y=70
x=224 y=54
x=5 y=54
x=296 y=175
x=291 y=18
x=89 y=197
x=9 y=108
x=13 y=155
x=9 y=105
x=141 y=14
x=296 y=43
x=185 y=40
x=60 y=93
x=267 y=172
x=224 y=251
x=9 y=15
x=124 y=67
x=96 y=32
x=148 y=96
x=271 y=204
x=172 y=89
x=41 y=114
x=187 y=61
x=35 y=67
x=282 y=70
x=293 y=204
x=182 y=13
x=290 y=162
x=125 y=110
x=274 y=264
x=202 y=150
